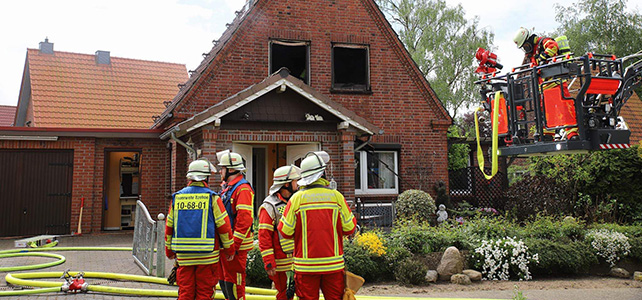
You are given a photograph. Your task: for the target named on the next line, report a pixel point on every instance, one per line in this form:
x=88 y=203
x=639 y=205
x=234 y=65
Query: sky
x=179 y=31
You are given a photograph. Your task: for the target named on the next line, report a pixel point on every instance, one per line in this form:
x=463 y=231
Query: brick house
x=285 y=78
x=347 y=79
x=83 y=123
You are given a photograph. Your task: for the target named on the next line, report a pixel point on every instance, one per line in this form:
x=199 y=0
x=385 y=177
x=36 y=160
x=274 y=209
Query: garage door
x=35 y=192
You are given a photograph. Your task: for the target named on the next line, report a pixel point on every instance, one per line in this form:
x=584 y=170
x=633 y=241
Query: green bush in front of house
x=415 y=204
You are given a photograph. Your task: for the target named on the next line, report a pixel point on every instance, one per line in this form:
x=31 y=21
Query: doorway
x=262 y=159
x=122 y=189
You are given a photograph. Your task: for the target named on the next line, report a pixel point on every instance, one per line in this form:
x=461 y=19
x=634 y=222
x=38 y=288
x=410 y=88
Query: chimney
x=102 y=57
x=46 y=47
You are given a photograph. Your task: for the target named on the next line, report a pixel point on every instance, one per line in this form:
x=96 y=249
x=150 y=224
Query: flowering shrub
x=499 y=258
x=371 y=242
x=609 y=244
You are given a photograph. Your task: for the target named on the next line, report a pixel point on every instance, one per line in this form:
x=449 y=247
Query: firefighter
x=559 y=112
x=275 y=249
x=191 y=241
x=317 y=218
x=238 y=199
x=536 y=49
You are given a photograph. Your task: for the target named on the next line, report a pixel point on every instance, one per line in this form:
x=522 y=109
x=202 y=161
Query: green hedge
x=560 y=257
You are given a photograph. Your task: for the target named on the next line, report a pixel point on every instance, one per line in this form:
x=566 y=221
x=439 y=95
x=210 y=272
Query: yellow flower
x=371 y=242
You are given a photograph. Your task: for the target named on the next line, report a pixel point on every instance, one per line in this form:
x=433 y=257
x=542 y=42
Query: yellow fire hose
x=23 y=279
x=494 y=143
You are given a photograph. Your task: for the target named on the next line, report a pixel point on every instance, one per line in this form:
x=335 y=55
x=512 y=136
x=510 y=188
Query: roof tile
x=7 y=114
x=71 y=90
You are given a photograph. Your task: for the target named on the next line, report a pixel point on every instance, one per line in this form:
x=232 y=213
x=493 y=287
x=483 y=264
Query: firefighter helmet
x=231 y=160
x=284 y=175
x=521 y=36
x=312 y=166
x=200 y=167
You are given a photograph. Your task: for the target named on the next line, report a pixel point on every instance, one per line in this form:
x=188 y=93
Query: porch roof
x=279 y=80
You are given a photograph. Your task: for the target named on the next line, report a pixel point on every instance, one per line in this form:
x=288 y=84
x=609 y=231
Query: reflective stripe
x=318 y=260
x=244 y=206
x=269 y=227
x=304 y=222
x=267 y=252
x=239 y=235
x=287 y=245
x=192 y=221
x=335 y=216
x=221 y=216
x=314 y=269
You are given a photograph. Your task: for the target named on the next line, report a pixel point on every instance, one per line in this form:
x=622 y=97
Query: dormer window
x=292 y=55
x=350 y=68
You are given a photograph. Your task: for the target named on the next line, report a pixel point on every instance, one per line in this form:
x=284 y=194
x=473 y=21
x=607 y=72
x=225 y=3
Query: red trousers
x=196 y=282
x=307 y=285
x=281 y=284
x=234 y=276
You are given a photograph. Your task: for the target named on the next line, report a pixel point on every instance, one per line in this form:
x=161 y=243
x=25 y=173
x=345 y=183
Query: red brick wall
x=89 y=172
x=399 y=103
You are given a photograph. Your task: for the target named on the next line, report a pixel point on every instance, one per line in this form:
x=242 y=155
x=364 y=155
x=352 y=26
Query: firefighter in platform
x=537 y=49
x=275 y=249
x=317 y=218
x=560 y=112
x=238 y=198
x=197 y=231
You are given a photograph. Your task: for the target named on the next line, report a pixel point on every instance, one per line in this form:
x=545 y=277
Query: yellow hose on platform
x=495 y=143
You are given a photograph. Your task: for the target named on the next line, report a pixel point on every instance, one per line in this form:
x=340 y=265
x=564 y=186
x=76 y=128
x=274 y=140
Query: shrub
x=636 y=248
x=500 y=259
x=546 y=227
x=371 y=242
x=411 y=235
x=359 y=261
x=561 y=257
x=415 y=204
x=392 y=259
x=255 y=271
x=537 y=194
x=490 y=228
x=408 y=271
x=609 y=244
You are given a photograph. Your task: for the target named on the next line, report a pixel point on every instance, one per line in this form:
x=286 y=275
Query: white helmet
x=230 y=160
x=312 y=166
x=200 y=169
x=521 y=36
x=284 y=175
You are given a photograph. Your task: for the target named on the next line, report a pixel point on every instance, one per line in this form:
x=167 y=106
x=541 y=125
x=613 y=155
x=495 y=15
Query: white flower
x=609 y=244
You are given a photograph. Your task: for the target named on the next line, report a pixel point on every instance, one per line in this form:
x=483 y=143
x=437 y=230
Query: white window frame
x=363 y=171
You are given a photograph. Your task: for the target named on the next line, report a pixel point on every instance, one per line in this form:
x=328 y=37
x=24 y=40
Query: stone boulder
x=460 y=279
x=619 y=272
x=472 y=274
x=637 y=275
x=451 y=263
x=432 y=276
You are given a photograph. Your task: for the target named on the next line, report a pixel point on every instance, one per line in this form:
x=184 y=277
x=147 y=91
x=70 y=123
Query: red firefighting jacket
x=317 y=217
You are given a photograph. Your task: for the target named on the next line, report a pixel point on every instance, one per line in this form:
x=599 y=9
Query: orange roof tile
x=632 y=114
x=7 y=114
x=72 y=90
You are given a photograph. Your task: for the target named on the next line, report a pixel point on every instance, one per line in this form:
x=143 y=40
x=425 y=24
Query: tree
x=442 y=42
x=602 y=26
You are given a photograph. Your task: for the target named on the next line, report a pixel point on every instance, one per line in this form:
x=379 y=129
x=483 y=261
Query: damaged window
x=375 y=172
x=292 y=55
x=350 y=68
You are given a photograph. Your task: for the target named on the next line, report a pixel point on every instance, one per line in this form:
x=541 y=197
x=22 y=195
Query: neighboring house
x=348 y=79
x=7 y=114
x=285 y=78
x=632 y=114
x=88 y=138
